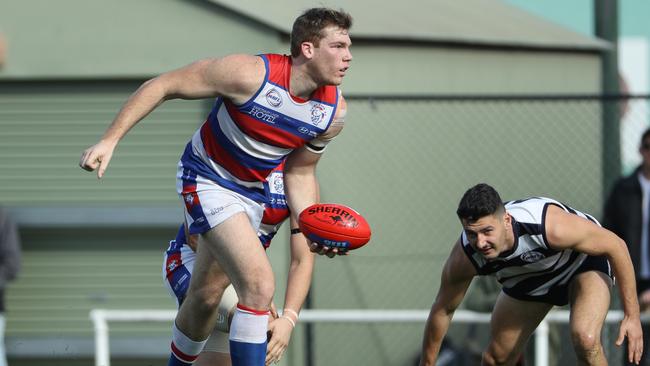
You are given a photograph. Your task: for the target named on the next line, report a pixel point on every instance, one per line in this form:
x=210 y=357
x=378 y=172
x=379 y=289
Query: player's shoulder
x=238 y=75
x=530 y=209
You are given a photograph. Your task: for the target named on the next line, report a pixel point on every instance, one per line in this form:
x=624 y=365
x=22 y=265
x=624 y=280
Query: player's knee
x=492 y=357
x=258 y=293
x=586 y=343
x=208 y=297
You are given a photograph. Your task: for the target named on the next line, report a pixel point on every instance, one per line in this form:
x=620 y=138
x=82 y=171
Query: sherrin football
x=334 y=225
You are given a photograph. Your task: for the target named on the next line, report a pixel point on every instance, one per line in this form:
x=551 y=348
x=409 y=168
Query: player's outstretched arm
x=300 y=181
x=456 y=277
x=298 y=283
x=236 y=77
x=568 y=231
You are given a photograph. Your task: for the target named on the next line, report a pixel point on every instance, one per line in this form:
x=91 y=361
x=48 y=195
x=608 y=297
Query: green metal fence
x=402 y=161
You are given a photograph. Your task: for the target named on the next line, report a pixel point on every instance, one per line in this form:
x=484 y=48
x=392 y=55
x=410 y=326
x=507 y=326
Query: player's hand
x=274 y=312
x=325 y=250
x=280 y=330
x=97 y=157
x=631 y=328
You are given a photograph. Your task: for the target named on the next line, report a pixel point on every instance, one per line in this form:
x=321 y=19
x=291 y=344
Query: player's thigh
x=236 y=247
x=589 y=297
x=208 y=277
x=512 y=323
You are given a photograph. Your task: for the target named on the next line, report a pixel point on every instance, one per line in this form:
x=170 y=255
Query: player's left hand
x=631 y=328
x=280 y=329
x=325 y=250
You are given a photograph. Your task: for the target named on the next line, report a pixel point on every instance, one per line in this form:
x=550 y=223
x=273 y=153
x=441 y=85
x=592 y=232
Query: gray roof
x=472 y=22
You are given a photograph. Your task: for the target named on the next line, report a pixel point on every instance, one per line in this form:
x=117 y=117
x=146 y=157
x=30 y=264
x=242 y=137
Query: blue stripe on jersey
x=277 y=201
x=240 y=155
x=266 y=239
x=192 y=163
x=200 y=222
x=315 y=100
x=284 y=122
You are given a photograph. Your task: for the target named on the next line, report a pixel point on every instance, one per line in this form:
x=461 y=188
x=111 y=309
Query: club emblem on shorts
x=172 y=265
x=317 y=114
x=531 y=257
x=189 y=198
x=274 y=98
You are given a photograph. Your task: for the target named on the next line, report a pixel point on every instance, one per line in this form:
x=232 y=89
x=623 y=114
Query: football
x=334 y=225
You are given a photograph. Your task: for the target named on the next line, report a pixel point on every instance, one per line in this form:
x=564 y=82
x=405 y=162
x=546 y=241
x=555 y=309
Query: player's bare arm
x=568 y=231
x=300 y=181
x=338 y=122
x=456 y=277
x=298 y=283
x=236 y=77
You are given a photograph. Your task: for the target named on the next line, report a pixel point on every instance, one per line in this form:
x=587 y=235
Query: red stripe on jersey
x=263 y=132
x=326 y=94
x=279 y=70
x=221 y=156
x=274 y=216
x=280 y=74
x=190 y=198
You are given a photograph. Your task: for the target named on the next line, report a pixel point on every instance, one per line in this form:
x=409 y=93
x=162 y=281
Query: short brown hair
x=479 y=201
x=308 y=26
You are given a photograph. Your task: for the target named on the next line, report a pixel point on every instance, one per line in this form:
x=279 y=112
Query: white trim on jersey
x=532 y=258
x=250 y=146
x=199 y=149
x=295 y=109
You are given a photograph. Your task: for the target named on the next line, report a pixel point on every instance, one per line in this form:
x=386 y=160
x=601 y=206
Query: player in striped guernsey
x=269 y=108
x=543 y=253
x=179 y=261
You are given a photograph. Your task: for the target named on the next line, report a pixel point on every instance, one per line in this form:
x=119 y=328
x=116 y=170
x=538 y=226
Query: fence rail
x=101 y=318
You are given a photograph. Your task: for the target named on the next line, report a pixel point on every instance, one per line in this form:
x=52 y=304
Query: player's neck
x=301 y=84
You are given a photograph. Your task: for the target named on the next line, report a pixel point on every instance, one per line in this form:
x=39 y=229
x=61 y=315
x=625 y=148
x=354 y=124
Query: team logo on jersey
x=531 y=257
x=317 y=114
x=276 y=183
x=274 y=98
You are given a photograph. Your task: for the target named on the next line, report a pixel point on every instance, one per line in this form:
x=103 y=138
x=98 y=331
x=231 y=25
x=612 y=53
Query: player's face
x=332 y=57
x=489 y=235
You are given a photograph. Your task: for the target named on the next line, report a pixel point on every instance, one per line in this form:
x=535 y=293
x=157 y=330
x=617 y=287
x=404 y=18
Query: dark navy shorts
x=559 y=295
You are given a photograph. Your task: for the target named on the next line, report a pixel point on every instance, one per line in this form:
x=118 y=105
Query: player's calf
x=248 y=336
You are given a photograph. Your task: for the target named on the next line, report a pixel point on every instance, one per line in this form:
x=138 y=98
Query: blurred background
x=536 y=98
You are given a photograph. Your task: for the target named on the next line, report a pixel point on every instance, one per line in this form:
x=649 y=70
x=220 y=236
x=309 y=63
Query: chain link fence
x=404 y=162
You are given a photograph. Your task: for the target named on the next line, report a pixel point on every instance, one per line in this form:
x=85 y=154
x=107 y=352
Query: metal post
x=100 y=323
x=606 y=27
x=541 y=344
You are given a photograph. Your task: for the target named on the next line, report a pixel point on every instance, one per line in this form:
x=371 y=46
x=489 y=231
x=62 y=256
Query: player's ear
x=507 y=219
x=307 y=49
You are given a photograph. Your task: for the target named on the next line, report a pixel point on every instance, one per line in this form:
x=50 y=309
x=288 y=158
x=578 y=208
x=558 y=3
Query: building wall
x=402 y=163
